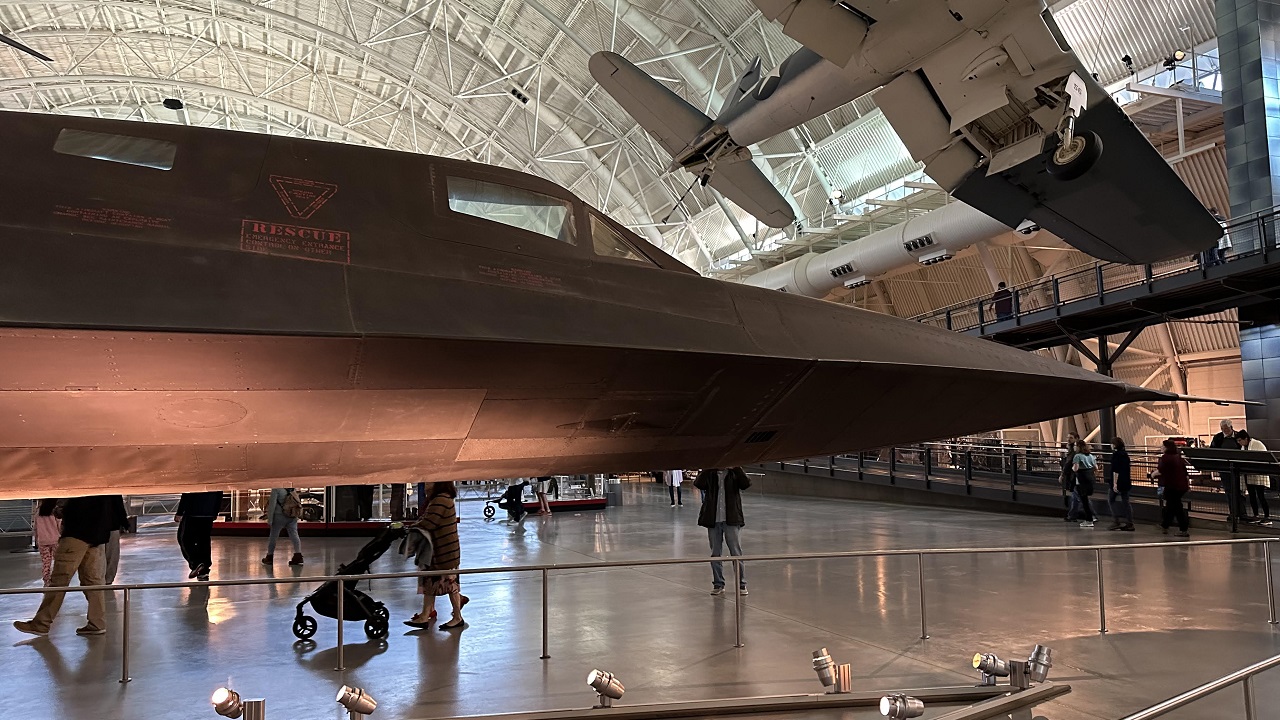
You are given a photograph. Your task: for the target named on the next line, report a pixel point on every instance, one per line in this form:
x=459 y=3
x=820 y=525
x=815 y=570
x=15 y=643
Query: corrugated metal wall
x=1103 y=31
x=1206 y=174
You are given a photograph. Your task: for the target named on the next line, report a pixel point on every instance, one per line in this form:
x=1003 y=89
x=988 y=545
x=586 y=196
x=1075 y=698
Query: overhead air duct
x=931 y=238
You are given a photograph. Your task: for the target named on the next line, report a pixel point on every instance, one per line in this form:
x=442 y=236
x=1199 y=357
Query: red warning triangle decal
x=302 y=198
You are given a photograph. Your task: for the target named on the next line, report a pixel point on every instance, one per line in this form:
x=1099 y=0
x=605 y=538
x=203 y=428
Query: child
x=47 y=531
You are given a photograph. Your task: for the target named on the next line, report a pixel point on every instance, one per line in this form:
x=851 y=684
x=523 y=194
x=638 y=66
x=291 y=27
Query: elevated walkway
x=1017 y=479
x=1111 y=298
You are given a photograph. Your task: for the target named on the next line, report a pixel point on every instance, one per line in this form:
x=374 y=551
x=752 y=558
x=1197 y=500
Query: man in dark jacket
x=86 y=528
x=195 y=516
x=721 y=515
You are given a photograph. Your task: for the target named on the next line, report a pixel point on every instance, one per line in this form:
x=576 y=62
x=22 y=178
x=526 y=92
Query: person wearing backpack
x=283 y=510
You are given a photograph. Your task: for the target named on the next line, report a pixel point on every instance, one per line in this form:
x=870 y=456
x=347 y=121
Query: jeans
x=720 y=535
x=1174 y=510
x=74 y=556
x=113 y=557
x=281 y=522
x=1121 y=510
x=674 y=492
x=195 y=539
x=1080 y=504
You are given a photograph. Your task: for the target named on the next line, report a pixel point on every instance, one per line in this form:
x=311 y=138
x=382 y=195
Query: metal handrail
x=1242 y=675
x=1146 y=273
x=545 y=569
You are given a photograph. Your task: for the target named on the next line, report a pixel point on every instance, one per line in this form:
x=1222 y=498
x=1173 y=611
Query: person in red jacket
x=1171 y=472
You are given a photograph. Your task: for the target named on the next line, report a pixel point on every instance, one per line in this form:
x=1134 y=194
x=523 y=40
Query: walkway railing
x=1013 y=470
x=545 y=570
x=1248 y=237
x=1243 y=675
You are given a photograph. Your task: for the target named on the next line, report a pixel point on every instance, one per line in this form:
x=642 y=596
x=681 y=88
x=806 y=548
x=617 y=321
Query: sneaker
x=1184 y=533
x=743 y=591
x=1086 y=524
x=673 y=504
x=91 y=629
x=266 y=560
x=714 y=591
x=29 y=628
x=1114 y=526
x=681 y=504
x=1128 y=528
x=296 y=560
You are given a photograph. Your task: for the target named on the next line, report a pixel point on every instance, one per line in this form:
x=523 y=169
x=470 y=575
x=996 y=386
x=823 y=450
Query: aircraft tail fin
x=694 y=140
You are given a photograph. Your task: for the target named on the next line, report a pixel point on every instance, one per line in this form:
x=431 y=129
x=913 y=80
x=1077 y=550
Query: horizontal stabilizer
x=744 y=184
x=677 y=126
x=672 y=121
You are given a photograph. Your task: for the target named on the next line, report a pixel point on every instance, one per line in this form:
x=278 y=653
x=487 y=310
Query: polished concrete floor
x=1177 y=618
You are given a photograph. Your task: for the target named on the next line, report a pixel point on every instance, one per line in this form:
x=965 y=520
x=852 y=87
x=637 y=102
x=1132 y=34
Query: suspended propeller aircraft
x=986 y=93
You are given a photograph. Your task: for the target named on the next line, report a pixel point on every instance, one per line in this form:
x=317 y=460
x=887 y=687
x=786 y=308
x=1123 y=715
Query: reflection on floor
x=1177 y=618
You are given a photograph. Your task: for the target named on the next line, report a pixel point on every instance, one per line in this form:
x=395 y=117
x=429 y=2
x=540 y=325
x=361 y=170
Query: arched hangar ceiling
x=498 y=81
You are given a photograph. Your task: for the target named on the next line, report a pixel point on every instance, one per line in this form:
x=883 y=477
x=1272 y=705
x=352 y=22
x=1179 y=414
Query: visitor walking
x=48 y=530
x=195 y=515
x=1171 y=474
x=721 y=515
x=283 y=510
x=1002 y=302
x=441 y=521
x=541 y=488
x=1119 y=487
x=1256 y=484
x=673 y=480
x=1067 y=478
x=86 y=526
x=1083 y=465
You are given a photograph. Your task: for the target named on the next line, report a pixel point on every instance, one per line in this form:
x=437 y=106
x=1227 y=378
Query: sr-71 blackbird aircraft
x=184 y=307
x=986 y=93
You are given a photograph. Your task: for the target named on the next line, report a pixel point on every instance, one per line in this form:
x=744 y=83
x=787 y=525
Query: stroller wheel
x=382 y=613
x=376 y=627
x=489 y=511
x=304 y=626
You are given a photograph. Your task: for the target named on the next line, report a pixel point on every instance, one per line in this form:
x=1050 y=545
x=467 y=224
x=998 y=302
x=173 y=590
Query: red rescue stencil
x=307 y=243
x=302 y=198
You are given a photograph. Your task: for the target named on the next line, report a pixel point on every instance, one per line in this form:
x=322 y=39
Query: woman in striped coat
x=441 y=520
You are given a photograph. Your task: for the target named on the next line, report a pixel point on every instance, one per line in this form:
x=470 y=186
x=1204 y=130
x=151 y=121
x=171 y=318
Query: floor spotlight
x=607 y=686
x=990 y=667
x=900 y=706
x=1039 y=662
x=226 y=702
x=357 y=702
x=825 y=667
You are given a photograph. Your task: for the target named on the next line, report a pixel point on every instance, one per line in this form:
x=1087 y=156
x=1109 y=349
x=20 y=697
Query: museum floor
x=1177 y=618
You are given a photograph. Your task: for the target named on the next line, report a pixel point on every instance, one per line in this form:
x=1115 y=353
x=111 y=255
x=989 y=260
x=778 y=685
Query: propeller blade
x=14 y=43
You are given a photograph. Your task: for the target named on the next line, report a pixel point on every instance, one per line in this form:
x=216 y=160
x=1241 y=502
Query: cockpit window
x=608 y=243
x=517 y=207
x=127 y=149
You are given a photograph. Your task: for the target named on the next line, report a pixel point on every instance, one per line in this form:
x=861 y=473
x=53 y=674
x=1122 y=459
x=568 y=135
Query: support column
x=1260 y=367
x=1248 y=34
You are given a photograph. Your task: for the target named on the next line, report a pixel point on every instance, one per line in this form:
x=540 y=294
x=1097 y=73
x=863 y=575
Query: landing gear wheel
x=376 y=628
x=304 y=626
x=489 y=512
x=1070 y=161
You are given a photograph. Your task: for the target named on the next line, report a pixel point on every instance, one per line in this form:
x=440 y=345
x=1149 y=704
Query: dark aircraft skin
x=274 y=311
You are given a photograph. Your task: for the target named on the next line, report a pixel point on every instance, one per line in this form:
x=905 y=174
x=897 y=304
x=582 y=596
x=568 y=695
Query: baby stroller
x=356 y=605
